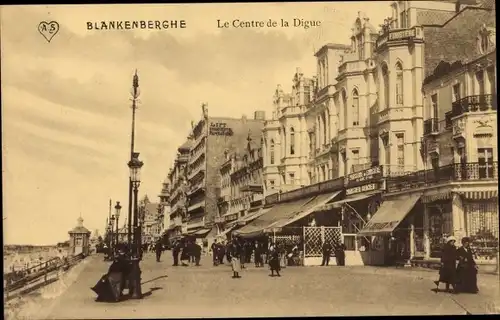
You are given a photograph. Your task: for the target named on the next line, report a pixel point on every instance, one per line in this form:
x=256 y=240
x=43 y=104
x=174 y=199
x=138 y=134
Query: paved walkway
x=208 y=291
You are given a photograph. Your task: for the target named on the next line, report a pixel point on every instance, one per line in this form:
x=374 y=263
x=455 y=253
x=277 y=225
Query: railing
x=448 y=123
x=453 y=172
x=431 y=126
x=196 y=171
x=36 y=276
x=477 y=103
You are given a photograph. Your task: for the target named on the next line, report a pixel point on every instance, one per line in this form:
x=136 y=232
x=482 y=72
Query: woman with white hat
x=448 y=270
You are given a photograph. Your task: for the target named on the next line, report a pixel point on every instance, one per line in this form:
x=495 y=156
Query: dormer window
x=486 y=39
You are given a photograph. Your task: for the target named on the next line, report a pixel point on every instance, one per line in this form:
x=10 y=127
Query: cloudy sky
x=66 y=109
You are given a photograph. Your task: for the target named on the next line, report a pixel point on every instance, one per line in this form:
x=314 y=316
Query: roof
x=433 y=17
x=332 y=46
x=80 y=229
x=452 y=42
x=151 y=207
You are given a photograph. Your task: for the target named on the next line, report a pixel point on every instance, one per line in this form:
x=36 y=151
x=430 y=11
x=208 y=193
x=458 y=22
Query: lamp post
x=112 y=234
x=135 y=166
x=118 y=207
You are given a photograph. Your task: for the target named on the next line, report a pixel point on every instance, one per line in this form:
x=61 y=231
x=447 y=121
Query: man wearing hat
x=447 y=272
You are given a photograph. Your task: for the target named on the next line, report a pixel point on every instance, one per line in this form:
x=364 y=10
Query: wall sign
x=363 y=188
x=365 y=175
x=220 y=129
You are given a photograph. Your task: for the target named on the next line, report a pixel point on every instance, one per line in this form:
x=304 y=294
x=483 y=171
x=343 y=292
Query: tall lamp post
x=112 y=233
x=118 y=207
x=135 y=166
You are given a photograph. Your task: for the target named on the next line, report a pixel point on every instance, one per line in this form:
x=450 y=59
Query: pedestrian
x=340 y=253
x=175 y=253
x=467 y=268
x=448 y=269
x=110 y=287
x=197 y=254
x=184 y=254
x=221 y=251
x=257 y=255
x=158 y=250
x=241 y=244
x=228 y=252
x=213 y=247
x=192 y=251
x=236 y=258
x=274 y=261
x=327 y=252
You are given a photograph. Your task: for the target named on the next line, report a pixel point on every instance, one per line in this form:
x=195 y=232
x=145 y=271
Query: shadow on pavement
x=157 y=278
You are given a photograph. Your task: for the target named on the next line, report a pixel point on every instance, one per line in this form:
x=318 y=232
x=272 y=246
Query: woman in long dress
x=111 y=285
x=274 y=261
x=467 y=268
x=447 y=272
x=236 y=253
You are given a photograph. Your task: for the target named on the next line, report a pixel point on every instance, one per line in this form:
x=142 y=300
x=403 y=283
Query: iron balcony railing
x=453 y=172
x=431 y=126
x=477 y=103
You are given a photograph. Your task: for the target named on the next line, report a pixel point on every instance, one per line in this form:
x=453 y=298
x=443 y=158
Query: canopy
x=199 y=232
x=390 y=214
x=280 y=211
x=353 y=198
x=253 y=216
x=307 y=209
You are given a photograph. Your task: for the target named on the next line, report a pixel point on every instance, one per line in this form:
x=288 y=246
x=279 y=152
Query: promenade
x=208 y=291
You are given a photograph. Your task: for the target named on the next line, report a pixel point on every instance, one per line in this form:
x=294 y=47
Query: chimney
x=259 y=115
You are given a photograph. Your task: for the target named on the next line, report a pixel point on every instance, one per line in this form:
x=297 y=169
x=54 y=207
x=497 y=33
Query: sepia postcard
x=221 y=160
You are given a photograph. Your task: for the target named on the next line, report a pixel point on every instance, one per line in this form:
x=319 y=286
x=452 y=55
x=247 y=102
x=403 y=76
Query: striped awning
x=479 y=195
x=436 y=197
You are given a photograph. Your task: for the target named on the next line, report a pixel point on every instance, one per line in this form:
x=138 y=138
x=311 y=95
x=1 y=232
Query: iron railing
x=431 y=126
x=477 y=103
x=452 y=172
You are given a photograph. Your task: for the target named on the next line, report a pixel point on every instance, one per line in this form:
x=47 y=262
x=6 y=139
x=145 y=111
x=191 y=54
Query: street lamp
x=135 y=166
x=118 y=207
x=112 y=234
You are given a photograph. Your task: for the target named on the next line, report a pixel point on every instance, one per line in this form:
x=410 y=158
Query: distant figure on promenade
x=197 y=253
x=228 y=251
x=191 y=251
x=158 y=250
x=467 y=268
x=448 y=270
x=110 y=287
x=327 y=252
x=176 y=250
x=243 y=249
x=340 y=253
x=185 y=254
x=257 y=251
x=221 y=252
x=236 y=249
x=214 y=247
x=274 y=261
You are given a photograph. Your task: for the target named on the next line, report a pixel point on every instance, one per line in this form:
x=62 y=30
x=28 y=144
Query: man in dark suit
x=327 y=251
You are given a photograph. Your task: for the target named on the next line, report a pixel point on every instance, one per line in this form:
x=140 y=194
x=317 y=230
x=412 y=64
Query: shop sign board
x=220 y=129
x=364 y=188
x=364 y=176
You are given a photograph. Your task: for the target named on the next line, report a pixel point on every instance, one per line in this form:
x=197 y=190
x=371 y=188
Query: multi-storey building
x=177 y=178
x=242 y=184
x=366 y=124
x=212 y=138
x=164 y=208
x=285 y=138
x=150 y=223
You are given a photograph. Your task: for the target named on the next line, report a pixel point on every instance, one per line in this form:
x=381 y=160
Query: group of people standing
x=458 y=267
x=188 y=251
x=338 y=249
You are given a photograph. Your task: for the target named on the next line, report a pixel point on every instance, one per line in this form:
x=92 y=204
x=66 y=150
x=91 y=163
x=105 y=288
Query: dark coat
x=466 y=271
x=447 y=272
x=326 y=249
x=274 y=261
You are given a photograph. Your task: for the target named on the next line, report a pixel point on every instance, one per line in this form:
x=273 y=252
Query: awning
x=253 y=216
x=225 y=232
x=307 y=209
x=479 y=195
x=199 y=232
x=338 y=204
x=390 y=214
x=278 y=212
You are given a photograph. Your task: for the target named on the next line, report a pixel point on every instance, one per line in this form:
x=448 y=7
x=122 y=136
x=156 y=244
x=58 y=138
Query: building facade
x=150 y=213
x=213 y=137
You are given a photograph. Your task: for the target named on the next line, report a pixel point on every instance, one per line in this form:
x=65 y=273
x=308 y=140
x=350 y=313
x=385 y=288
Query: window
x=292 y=141
x=307 y=94
x=399 y=84
x=344 y=102
x=434 y=106
x=271 y=151
x=355 y=108
x=361 y=54
x=482 y=227
x=291 y=177
x=435 y=163
x=480 y=82
x=355 y=157
x=400 y=143
x=485 y=162
x=385 y=76
x=403 y=19
x=484 y=42
x=324 y=124
x=456 y=92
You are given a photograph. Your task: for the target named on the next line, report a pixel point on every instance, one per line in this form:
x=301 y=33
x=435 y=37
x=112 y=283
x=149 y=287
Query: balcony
x=351 y=67
x=196 y=206
x=196 y=223
x=394 y=113
x=454 y=172
x=431 y=126
x=196 y=172
x=477 y=103
x=196 y=188
x=176 y=222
